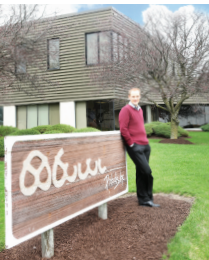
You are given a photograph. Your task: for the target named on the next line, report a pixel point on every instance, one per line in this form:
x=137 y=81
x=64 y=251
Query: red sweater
x=132 y=126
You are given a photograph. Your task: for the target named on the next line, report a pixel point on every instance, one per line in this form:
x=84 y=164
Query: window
x=103 y=47
x=100 y=114
x=1 y=115
x=53 y=46
x=20 y=59
x=35 y=115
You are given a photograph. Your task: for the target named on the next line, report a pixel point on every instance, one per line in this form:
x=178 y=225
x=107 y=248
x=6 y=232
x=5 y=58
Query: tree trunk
x=174 y=128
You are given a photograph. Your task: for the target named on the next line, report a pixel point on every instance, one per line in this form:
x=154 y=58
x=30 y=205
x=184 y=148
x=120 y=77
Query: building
x=81 y=42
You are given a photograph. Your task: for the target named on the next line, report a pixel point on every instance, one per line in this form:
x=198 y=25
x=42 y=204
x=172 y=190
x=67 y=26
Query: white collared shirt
x=135 y=107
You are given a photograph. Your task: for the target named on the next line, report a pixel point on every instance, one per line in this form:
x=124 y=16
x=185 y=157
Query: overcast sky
x=136 y=12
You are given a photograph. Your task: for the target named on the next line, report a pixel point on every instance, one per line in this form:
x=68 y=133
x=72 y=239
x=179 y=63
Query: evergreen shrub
x=42 y=128
x=183 y=132
x=26 y=132
x=52 y=132
x=149 y=130
x=86 y=129
x=1 y=146
x=163 y=129
x=205 y=127
x=61 y=128
x=6 y=130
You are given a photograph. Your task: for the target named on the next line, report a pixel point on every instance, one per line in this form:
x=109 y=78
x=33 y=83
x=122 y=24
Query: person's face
x=134 y=97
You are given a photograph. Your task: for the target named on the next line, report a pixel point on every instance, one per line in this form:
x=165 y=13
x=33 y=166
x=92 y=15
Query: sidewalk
x=193 y=129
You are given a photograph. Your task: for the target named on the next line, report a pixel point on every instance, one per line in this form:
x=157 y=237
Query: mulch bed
x=175 y=141
x=1 y=158
x=180 y=140
x=130 y=232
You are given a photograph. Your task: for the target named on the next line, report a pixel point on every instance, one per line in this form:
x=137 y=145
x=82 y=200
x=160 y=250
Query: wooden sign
x=50 y=179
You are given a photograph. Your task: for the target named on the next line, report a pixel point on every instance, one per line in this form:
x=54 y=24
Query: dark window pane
x=1 y=115
x=100 y=114
x=53 y=54
x=92 y=48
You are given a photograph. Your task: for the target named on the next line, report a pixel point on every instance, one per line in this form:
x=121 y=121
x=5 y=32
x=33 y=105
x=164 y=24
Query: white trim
x=9 y=142
x=67 y=113
x=9 y=116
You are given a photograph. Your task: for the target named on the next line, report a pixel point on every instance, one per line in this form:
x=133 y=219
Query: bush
x=6 y=130
x=149 y=130
x=52 y=132
x=162 y=130
x=26 y=132
x=86 y=129
x=42 y=128
x=61 y=128
x=1 y=146
x=183 y=132
x=205 y=128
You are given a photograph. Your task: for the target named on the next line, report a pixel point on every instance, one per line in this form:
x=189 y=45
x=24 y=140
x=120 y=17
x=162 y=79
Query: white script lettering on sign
x=52 y=177
x=110 y=181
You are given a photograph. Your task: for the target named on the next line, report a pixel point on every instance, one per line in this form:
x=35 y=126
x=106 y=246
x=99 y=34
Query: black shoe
x=149 y=204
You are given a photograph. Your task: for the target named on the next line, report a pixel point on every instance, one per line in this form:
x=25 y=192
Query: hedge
x=42 y=128
x=1 y=146
x=86 y=129
x=163 y=129
x=205 y=128
x=6 y=130
x=183 y=132
x=26 y=132
x=149 y=130
x=62 y=128
x=53 y=132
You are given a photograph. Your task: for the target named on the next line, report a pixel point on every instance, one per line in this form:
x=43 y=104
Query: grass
x=184 y=170
x=180 y=169
x=2 y=229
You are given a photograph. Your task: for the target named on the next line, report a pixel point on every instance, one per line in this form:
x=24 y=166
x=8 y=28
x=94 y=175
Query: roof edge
x=81 y=13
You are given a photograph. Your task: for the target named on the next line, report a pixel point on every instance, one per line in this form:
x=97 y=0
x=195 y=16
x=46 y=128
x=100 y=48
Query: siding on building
x=72 y=81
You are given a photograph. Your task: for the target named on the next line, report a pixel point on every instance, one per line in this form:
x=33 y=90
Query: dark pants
x=144 y=180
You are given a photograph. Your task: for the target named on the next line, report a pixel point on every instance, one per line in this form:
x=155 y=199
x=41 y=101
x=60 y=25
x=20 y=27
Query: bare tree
x=168 y=59
x=23 y=35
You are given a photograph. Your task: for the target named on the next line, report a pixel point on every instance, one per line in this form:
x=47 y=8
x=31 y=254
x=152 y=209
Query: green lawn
x=2 y=234
x=184 y=169
x=181 y=169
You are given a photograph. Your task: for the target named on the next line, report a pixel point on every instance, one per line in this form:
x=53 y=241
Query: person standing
x=133 y=132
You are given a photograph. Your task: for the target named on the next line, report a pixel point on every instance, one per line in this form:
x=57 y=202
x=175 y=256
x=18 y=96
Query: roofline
x=94 y=11
x=126 y=17
x=81 y=13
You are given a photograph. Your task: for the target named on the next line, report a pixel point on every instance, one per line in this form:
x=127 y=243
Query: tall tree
x=168 y=58
x=23 y=33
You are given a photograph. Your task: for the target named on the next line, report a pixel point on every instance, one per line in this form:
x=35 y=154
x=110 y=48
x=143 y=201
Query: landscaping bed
x=175 y=141
x=130 y=232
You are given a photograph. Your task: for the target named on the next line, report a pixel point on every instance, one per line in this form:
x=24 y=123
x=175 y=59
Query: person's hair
x=133 y=89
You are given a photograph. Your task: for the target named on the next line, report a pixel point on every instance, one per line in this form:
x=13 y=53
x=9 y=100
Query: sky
x=134 y=11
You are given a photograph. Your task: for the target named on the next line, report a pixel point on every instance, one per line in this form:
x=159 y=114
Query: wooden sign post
x=50 y=179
